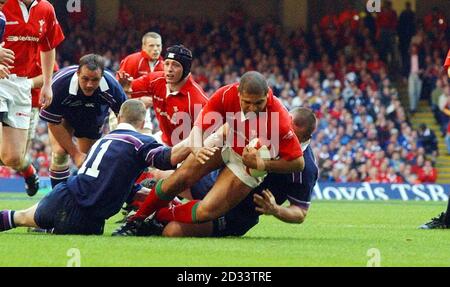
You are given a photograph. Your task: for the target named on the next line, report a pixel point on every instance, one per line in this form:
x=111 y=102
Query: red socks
x=29 y=171
x=185 y=213
x=154 y=201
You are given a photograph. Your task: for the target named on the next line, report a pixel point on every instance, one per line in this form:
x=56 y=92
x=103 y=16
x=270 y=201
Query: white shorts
x=15 y=101
x=234 y=162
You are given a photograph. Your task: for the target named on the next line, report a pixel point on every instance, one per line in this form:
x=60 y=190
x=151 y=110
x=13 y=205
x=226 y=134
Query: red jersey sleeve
x=53 y=34
x=141 y=87
x=447 y=61
x=127 y=65
x=214 y=106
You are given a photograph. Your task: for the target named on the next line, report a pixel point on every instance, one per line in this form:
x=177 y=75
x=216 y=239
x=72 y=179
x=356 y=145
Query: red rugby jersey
x=138 y=65
x=225 y=101
x=26 y=31
x=168 y=105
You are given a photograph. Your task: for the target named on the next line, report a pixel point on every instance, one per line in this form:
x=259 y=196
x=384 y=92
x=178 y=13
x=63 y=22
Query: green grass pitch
x=334 y=234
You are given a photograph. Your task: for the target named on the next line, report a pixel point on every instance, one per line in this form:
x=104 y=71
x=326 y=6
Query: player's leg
x=22 y=218
x=16 y=93
x=31 y=178
x=178 y=229
x=183 y=178
x=85 y=144
x=59 y=163
x=13 y=146
x=447 y=215
x=225 y=194
x=235 y=222
x=442 y=221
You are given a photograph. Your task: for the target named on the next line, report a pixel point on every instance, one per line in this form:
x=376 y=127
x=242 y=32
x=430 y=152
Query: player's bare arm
x=266 y=204
x=48 y=62
x=251 y=159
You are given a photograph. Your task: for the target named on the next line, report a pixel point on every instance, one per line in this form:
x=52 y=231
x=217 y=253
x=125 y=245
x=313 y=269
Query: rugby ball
x=264 y=153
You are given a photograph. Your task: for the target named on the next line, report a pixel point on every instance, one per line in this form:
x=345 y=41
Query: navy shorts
x=92 y=134
x=204 y=185
x=59 y=210
x=236 y=222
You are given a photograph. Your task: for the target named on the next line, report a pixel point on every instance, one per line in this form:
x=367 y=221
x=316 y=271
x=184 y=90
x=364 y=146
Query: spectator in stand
x=406 y=30
x=428 y=140
x=435 y=94
x=435 y=20
x=444 y=107
x=416 y=67
x=386 y=29
x=427 y=173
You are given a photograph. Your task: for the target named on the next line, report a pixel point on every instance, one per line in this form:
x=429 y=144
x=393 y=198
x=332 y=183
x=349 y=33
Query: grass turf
x=334 y=234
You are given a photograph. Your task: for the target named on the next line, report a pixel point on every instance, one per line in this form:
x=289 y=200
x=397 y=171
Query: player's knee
x=60 y=161
x=12 y=160
x=205 y=213
x=172 y=230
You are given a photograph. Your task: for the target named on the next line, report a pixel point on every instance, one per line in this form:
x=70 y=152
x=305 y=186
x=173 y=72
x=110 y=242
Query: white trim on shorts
x=234 y=162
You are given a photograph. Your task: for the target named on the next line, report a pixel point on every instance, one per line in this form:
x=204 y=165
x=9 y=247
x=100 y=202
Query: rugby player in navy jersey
x=267 y=198
x=83 y=97
x=104 y=181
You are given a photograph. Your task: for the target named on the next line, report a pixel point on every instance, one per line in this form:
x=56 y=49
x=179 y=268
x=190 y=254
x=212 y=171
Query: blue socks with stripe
x=7 y=220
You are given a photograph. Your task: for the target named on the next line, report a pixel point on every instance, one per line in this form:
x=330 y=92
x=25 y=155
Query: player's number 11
x=93 y=170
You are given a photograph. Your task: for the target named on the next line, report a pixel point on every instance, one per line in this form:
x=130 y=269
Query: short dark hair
x=92 y=62
x=303 y=117
x=253 y=83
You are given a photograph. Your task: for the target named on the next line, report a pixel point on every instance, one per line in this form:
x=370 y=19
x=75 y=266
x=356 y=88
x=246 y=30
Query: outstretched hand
x=125 y=80
x=266 y=203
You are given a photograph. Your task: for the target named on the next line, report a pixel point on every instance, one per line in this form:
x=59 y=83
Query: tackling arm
x=266 y=204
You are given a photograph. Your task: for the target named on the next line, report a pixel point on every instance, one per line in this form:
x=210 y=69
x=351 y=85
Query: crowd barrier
x=322 y=190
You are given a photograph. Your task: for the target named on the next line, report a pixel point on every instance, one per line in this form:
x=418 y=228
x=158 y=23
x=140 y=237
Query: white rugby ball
x=264 y=153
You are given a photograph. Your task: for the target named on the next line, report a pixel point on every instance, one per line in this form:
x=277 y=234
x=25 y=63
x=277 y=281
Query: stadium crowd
x=340 y=69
